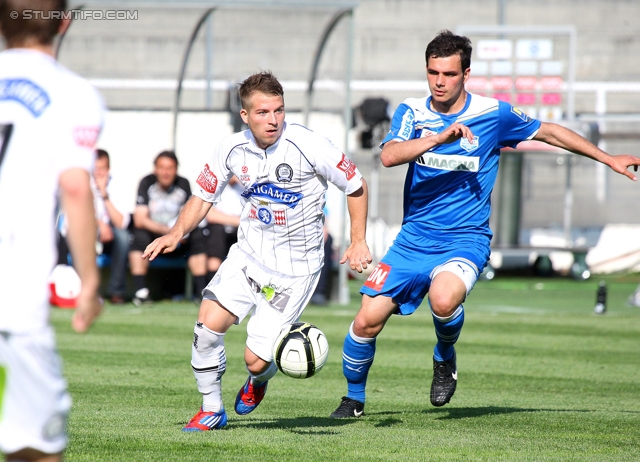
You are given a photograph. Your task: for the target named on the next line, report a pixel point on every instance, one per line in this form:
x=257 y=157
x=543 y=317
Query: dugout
x=221 y=62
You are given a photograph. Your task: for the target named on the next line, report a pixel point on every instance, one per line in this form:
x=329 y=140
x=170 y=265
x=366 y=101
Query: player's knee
x=257 y=367
x=363 y=327
x=208 y=346
x=443 y=303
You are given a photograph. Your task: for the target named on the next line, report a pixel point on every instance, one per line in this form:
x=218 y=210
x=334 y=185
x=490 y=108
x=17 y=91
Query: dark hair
x=446 y=44
x=102 y=154
x=262 y=82
x=43 y=27
x=168 y=154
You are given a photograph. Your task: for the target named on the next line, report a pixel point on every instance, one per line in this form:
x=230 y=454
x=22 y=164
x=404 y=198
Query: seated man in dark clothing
x=161 y=196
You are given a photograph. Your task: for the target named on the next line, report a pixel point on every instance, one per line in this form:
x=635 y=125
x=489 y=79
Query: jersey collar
x=447 y=116
x=253 y=147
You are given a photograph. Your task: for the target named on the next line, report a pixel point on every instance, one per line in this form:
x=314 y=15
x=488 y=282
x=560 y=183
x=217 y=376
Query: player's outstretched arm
x=557 y=135
x=401 y=152
x=191 y=214
x=77 y=203
x=358 y=252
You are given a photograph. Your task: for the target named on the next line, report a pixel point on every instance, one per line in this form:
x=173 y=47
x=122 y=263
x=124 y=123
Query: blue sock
x=357 y=357
x=447 y=331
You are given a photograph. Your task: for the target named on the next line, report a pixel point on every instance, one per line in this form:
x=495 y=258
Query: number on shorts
x=5 y=134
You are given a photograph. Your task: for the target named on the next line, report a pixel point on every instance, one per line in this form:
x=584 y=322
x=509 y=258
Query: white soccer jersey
x=50 y=120
x=284 y=189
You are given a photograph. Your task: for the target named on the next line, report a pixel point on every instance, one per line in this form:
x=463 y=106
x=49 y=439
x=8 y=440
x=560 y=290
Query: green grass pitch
x=540 y=377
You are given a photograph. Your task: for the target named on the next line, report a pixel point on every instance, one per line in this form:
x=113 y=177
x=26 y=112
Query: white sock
x=209 y=362
x=259 y=379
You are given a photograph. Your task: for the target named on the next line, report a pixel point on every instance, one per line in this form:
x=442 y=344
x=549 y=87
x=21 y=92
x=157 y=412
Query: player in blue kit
x=451 y=141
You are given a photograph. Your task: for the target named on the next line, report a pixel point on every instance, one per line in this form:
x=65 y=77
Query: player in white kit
x=49 y=122
x=273 y=269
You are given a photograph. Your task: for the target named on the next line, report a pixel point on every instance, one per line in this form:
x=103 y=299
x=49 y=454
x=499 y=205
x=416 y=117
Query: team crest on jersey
x=470 y=145
x=264 y=214
x=378 y=276
x=347 y=166
x=284 y=173
x=207 y=180
x=520 y=114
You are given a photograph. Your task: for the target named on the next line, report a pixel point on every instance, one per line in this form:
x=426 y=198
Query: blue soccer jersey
x=448 y=188
x=447 y=194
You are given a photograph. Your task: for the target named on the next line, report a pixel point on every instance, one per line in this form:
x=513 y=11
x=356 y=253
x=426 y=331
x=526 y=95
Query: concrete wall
x=390 y=38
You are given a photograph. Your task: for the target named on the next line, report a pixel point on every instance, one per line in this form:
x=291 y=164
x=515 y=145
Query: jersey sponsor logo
x=252 y=282
x=86 y=137
x=207 y=180
x=406 y=124
x=520 y=114
x=273 y=192
x=449 y=162
x=284 y=173
x=280 y=217
x=426 y=133
x=245 y=169
x=470 y=145
x=25 y=92
x=347 y=166
x=277 y=217
x=378 y=276
x=278 y=297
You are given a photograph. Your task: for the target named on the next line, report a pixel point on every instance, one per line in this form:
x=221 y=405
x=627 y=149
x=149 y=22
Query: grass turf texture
x=540 y=377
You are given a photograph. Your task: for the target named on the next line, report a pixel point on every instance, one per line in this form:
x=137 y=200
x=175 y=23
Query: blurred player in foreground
x=49 y=122
x=273 y=269
x=451 y=141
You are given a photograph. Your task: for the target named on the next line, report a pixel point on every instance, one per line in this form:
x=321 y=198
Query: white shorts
x=34 y=402
x=243 y=286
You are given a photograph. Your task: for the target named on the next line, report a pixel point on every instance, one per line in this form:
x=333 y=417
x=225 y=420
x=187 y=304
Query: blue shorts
x=404 y=273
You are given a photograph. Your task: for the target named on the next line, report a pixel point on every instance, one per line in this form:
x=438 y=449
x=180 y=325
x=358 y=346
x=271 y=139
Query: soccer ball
x=301 y=350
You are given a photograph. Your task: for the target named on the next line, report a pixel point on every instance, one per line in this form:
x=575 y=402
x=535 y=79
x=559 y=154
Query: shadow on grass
x=300 y=425
x=470 y=412
x=324 y=425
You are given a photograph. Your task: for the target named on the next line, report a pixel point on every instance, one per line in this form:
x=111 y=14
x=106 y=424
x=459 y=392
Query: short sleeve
x=214 y=175
x=515 y=126
x=335 y=166
x=402 y=125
